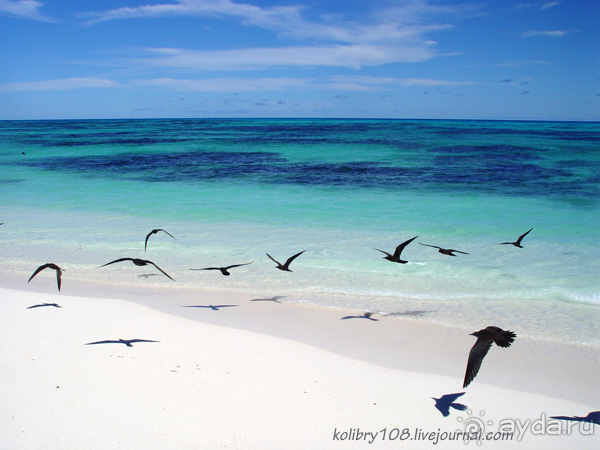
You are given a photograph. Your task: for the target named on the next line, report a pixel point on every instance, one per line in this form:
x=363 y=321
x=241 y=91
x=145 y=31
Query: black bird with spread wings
x=517 y=243
x=53 y=266
x=445 y=402
x=127 y=342
x=156 y=230
x=285 y=267
x=396 y=256
x=445 y=251
x=137 y=262
x=224 y=270
x=485 y=339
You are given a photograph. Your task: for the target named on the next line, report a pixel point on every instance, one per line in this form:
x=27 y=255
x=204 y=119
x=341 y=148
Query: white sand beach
x=267 y=375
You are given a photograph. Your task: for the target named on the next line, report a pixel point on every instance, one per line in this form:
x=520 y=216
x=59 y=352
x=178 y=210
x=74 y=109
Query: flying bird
x=56 y=305
x=366 y=315
x=517 y=243
x=156 y=230
x=137 y=262
x=224 y=270
x=396 y=256
x=213 y=307
x=127 y=342
x=445 y=251
x=49 y=266
x=285 y=267
x=445 y=402
x=485 y=339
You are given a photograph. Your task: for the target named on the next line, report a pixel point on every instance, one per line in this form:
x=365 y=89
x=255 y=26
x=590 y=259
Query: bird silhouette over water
x=56 y=305
x=127 y=342
x=156 y=230
x=213 y=307
x=224 y=270
x=396 y=256
x=445 y=402
x=285 y=267
x=593 y=417
x=445 y=251
x=485 y=339
x=137 y=262
x=517 y=243
x=366 y=315
x=53 y=266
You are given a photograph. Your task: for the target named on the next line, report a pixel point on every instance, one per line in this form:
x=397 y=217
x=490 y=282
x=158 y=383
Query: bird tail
x=506 y=339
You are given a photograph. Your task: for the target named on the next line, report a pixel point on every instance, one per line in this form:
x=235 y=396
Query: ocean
x=82 y=193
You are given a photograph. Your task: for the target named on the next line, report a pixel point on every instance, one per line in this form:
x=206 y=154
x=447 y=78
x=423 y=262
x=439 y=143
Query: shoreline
x=426 y=346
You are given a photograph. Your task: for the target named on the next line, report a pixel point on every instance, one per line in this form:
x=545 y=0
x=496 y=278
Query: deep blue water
x=235 y=189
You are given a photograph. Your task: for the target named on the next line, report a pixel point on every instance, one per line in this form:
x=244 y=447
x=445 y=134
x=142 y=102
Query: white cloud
x=395 y=34
x=250 y=13
x=226 y=84
x=557 y=33
x=403 y=23
x=54 y=85
x=549 y=5
x=374 y=84
x=353 y=56
x=432 y=82
x=28 y=9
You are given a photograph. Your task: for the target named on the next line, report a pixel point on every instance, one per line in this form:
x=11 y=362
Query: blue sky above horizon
x=499 y=59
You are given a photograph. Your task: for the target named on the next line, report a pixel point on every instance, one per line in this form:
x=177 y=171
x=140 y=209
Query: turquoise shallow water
x=82 y=193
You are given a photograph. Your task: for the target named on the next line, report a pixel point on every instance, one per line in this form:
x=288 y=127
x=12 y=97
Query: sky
x=407 y=59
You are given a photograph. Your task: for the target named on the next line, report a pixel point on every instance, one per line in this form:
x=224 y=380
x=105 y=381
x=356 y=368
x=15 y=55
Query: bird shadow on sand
x=593 y=417
x=413 y=313
x=148 y=275
x=127 y=342
x=213 y=307
x=274 y=299
x=366 y=315
x=445 y=402
x=41 y=305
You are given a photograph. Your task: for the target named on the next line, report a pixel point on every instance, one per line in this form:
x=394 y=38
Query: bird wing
x=164 y=273
x=457 y=251
x=401 y=247
x=131 y=341
x=238 y=265
x=165 y=231
x=116 y=261
x=58 y=277
x=505 y=339
x=434 y=246
x=291 y=258
x=148 y=237
x=38 y=270
x=476 y=355
x=386 y=253
x=274 y=260
x=208 y=268
x=523 y=235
